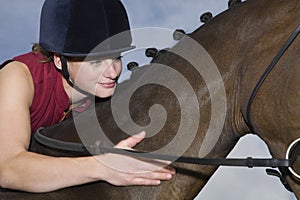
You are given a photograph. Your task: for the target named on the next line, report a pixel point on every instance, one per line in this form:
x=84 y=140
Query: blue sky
x=19 y=22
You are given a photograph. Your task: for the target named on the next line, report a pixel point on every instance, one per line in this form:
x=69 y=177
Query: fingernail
x=142 y=134
x=169 y=176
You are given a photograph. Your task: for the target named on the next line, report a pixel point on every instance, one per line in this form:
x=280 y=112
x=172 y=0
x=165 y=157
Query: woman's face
x=98 y=77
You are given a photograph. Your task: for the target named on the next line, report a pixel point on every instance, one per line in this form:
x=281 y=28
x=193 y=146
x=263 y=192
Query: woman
x=39 y=89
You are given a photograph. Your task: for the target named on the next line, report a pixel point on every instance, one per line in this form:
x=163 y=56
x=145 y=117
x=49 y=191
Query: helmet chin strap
x=66 y=75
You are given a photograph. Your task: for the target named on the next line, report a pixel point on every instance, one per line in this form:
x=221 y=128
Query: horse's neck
x=242 y=47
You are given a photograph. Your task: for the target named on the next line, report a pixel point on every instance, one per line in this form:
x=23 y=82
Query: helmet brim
x=98 y=54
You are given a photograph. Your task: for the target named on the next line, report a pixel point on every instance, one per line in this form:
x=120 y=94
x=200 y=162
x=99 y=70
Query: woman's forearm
x=32 y=172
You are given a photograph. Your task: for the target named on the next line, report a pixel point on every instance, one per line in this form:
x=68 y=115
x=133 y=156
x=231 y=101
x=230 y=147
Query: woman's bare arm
x=27 y=171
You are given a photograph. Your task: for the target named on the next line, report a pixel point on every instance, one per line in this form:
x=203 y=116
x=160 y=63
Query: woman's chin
x=104 y=94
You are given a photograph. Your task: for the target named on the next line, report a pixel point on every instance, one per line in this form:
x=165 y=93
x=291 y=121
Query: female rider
x=37 y=88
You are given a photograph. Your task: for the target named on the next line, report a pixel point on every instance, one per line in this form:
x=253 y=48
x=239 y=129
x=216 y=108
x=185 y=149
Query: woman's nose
x=111 y=70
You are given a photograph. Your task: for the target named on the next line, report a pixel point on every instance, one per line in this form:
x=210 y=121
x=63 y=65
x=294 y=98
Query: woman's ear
x=57 y=61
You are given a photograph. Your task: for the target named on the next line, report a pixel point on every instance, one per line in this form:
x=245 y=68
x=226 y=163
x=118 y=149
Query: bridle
x=284 y=170
x=97 y=149
x=285 y=165
x=267 y=72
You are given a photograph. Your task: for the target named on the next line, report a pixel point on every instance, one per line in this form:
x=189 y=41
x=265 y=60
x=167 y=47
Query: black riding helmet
x=73 y=28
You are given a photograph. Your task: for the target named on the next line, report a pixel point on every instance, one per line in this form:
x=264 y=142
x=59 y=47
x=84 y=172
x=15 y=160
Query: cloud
x=171 y=14
x=19 y=22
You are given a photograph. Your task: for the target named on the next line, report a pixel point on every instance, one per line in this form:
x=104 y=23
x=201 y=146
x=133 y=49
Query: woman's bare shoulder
x=16 y=81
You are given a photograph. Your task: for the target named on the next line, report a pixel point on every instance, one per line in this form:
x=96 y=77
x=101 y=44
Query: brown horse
x=208 y=116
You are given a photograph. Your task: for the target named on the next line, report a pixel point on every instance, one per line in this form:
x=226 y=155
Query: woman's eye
x=101 y=61
x=95 y=62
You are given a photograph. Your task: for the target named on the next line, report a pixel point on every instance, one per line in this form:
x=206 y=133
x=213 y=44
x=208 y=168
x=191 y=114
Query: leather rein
x=286 y=164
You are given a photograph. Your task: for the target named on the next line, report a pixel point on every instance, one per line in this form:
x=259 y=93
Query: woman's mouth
x=108 y=85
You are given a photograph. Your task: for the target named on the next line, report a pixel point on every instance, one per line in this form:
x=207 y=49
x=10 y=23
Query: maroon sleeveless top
x=50 y=99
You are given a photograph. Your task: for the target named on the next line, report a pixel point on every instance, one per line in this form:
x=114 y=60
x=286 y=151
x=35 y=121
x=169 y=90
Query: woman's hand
x=125 y=170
